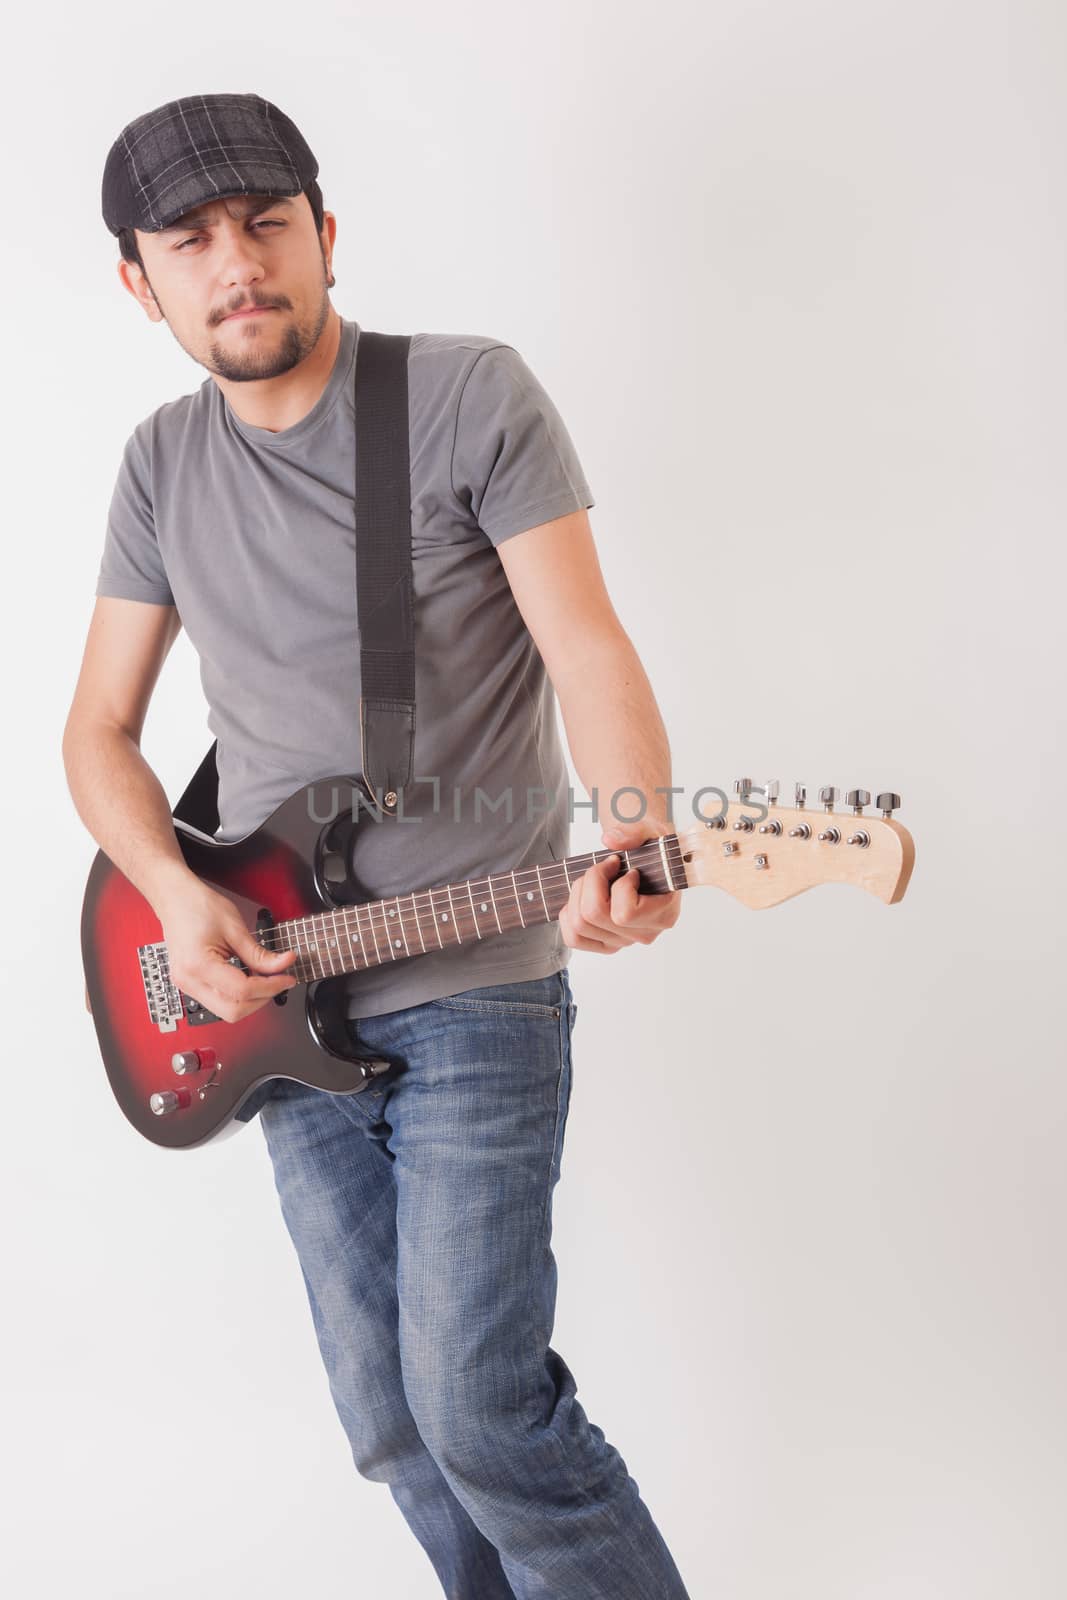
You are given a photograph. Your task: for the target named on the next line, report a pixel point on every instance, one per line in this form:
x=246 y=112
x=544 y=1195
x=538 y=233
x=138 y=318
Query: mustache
x=252 y=305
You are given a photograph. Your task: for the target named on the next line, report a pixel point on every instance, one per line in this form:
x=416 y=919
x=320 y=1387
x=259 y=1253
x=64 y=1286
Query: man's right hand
x=202 y=930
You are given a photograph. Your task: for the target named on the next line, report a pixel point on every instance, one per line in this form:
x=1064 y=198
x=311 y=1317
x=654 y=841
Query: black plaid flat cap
x=197 y=149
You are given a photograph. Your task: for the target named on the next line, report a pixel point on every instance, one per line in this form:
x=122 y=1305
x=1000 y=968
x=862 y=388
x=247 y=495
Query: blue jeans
x=421 y=1214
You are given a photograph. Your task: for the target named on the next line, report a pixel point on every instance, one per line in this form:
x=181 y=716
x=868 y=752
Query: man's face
x=229 y=255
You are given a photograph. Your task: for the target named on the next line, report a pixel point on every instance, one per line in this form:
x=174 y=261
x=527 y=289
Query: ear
x=326 y=239
x=133 y=279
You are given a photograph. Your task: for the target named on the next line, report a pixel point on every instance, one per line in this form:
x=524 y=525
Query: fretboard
x=354 y=937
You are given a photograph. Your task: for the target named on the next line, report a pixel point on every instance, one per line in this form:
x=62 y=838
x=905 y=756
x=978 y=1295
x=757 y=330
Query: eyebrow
x=195 y=219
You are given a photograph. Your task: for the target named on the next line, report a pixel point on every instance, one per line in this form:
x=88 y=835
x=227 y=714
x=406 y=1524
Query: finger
x=237 y=987
x=260 y=957
x=594 y=901
x=627 y=903
x=595 y=947
x=595 y=934
x=582 y=941
x=260 y=986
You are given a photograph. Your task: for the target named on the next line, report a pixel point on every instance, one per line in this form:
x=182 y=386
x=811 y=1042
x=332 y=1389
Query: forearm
x=125 y=808
x=615 y=733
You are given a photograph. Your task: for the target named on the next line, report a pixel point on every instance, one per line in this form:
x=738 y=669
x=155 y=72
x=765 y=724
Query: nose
x=239 y=263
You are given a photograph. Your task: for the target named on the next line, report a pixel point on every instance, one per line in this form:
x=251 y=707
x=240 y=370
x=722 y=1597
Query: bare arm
x=615 y=732
x=125 y=808
x=116 y=793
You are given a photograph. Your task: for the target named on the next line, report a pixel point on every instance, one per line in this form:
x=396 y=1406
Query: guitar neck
x=375 y=932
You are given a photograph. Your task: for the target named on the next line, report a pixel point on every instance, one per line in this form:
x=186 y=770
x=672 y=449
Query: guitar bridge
x=161 y=996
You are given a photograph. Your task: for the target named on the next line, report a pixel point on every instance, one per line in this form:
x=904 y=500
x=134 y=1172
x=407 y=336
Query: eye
x=265 y=222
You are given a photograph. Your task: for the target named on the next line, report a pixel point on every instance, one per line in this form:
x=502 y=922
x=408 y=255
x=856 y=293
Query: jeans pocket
x=529 y=997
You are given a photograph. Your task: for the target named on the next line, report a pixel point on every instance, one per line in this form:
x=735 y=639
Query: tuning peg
x=857 y=799
x=741 y=788
x=827 y=796
x=770 y=791
x=887 y=803
x=800 y=795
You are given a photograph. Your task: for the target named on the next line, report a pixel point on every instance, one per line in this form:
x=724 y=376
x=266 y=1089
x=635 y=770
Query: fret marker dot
x=392 y=913
x=444 y=916
x=397 y=943
x=484 y=906
x=529 y=894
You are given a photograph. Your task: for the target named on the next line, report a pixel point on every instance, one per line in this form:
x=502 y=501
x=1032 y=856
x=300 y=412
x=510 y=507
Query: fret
x=492 y=902
x=433 y=913
x=386 y=934
x=515 y=889
x=440 y=917
x=455 y=924
x=418 y=924
x=474 y=914
x=346 y=933
x=541 y=886
x=305 y=953
x=308 y=924
x=353 y=964
x=315 y=929
x=373 y=934
x=335 y=948
x=403 y=932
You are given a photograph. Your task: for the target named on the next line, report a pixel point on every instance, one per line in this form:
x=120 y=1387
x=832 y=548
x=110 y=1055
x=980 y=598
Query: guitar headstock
x=763 y=853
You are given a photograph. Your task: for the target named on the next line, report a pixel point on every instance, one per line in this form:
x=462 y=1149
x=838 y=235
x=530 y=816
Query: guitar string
x=375 y=917
x=549 y=873
x=352 y=912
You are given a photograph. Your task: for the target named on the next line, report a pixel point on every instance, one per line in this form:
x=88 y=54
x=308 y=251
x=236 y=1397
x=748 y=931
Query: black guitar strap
x=384 y=588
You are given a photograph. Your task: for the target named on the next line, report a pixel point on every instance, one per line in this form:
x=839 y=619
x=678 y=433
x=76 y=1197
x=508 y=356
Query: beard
x=251 y=358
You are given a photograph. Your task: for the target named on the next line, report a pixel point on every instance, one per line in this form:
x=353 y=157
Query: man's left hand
x=605 y=911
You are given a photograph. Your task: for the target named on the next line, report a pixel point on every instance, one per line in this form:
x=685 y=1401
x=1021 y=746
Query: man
x=420 y=1209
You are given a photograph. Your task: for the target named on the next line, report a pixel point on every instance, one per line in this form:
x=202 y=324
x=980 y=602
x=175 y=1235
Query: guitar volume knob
x=186 y=1061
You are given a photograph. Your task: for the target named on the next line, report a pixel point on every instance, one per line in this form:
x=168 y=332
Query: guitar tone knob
x=857 y=799
x=168 y=1100
x=887 y=803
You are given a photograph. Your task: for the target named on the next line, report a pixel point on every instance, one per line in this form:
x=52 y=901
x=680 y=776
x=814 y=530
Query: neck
x=283 y=401
x=353 y=937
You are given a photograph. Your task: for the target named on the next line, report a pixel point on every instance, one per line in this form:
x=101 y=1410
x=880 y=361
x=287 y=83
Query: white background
x=793 y=274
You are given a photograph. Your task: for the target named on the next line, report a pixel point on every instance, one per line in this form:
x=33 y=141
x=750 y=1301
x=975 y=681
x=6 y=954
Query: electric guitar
x=180 y=1073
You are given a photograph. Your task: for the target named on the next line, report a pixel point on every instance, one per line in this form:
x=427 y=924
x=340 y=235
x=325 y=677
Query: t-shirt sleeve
x=514 y=464
x=131 y=567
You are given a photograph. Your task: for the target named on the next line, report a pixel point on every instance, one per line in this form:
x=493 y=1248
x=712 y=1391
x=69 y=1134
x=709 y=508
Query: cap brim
x=198 y=189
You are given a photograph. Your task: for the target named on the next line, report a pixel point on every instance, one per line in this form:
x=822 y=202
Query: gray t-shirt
x=251 y=535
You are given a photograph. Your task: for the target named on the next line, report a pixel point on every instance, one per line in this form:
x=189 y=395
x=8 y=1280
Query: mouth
x=248 y=311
